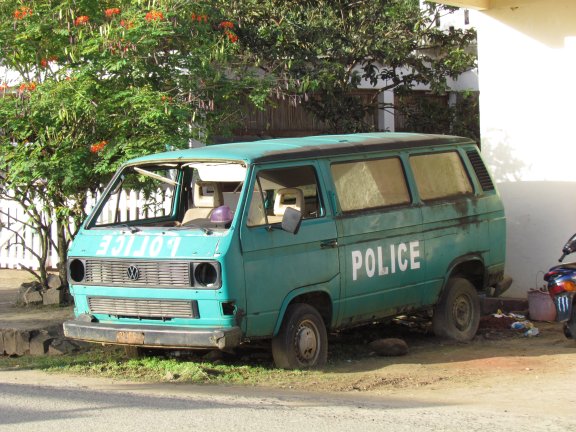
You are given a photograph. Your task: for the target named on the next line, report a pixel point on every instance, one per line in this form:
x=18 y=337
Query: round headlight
x=77 y=270
x=206 y=274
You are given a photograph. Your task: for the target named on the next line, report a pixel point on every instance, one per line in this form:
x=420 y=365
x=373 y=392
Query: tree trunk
x=62 y=246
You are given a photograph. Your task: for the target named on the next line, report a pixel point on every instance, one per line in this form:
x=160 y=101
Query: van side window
x=370 y=184
x=277 y=189
x=440 y=175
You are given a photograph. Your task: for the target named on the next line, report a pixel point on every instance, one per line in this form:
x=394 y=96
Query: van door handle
x=327 y=244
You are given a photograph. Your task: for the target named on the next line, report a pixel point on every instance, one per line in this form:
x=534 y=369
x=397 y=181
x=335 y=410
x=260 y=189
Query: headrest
x=288 y=197
x=207 y=195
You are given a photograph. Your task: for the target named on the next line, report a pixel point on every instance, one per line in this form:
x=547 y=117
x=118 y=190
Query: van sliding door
x=381 y=250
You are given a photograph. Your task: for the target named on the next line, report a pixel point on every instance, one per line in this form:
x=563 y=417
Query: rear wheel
x=457 y=314
x=302 y=341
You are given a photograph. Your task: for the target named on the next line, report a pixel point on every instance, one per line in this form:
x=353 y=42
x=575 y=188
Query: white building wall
x=527 y=61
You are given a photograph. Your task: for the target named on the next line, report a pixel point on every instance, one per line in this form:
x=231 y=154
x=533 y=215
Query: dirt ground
x=500 y=382
x=499 y=360
x=498 y=357
x=29 y=318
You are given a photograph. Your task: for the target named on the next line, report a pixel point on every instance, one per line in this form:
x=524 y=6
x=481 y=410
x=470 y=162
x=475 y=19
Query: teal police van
x=287 y=239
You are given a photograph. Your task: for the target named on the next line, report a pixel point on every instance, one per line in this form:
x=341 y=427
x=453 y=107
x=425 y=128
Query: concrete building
x=527 y=70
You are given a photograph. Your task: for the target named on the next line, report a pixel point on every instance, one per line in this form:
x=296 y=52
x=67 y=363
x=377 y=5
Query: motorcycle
x=561 y=281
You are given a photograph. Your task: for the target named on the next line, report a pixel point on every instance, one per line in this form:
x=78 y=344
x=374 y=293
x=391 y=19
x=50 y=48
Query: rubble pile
x=32 y=293
x=17 y=342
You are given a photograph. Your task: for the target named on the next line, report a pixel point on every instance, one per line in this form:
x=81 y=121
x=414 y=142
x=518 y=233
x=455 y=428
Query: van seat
x=288 y=197
x=207 y=197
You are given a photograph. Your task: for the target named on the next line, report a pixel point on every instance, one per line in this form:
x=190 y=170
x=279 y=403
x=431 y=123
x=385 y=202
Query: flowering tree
x=88 y=85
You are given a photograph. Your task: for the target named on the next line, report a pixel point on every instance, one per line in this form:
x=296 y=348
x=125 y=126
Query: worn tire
x=457 y=314
x=302 y=342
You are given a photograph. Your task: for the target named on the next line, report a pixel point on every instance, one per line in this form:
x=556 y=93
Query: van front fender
x=320 y=296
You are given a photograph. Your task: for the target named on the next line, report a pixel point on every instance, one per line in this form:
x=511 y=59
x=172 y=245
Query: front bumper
x=154 y=336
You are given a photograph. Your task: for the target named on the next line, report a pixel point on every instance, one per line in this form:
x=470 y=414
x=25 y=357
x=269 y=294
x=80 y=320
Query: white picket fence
x=17 y=237
x=14 y=234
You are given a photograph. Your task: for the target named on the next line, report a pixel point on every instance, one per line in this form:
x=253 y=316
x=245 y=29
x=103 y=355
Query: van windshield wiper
x=130 y=228
x=206 y=231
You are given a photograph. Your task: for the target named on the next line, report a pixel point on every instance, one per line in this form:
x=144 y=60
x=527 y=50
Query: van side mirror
x=291 y=220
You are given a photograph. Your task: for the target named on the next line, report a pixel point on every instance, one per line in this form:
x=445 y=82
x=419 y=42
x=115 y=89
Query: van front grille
x=143 y=308
x=168 y=274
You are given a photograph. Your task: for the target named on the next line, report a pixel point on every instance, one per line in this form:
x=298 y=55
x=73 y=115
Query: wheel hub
x=462 y=312
x=306 y=342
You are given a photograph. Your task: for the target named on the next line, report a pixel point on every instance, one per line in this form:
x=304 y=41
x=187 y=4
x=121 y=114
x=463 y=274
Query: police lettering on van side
x=383 y=261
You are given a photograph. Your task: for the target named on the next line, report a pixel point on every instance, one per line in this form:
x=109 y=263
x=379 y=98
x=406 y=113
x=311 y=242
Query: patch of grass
x=113 y=363
x=250 y=366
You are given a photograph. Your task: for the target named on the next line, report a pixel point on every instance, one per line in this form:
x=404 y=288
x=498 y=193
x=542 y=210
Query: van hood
x=149 y=244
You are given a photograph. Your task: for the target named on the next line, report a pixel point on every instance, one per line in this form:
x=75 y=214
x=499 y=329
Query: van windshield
x=184 y=195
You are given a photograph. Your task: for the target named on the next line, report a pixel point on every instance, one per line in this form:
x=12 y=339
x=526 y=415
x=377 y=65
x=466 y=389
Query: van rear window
x=440 y=175
x=370 y=184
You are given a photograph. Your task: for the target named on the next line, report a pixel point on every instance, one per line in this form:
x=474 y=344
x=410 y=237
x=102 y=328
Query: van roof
x=307 y=147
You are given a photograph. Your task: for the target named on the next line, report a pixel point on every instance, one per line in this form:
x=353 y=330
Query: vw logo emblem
x=133 y=273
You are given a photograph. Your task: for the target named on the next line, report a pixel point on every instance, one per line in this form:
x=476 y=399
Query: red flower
x=44 y=62
x=232 y=37
x=111 y=12
x=199 y=18
x=31 y=86
x=4 y=87
x=126 y=24
x=226 y=25
x=99 y=146
x=22 y=12
x=83 y=19
x=154 y=15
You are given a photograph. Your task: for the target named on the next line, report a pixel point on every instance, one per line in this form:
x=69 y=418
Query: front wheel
x=302 y=342
x=457 y=314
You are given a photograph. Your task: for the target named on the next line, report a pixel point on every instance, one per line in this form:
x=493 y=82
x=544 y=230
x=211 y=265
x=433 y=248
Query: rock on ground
x=389 y=347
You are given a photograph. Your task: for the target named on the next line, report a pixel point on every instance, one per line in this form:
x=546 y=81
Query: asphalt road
x=33 y=401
